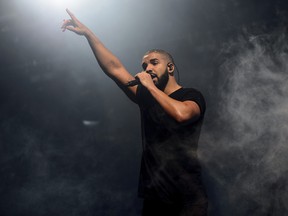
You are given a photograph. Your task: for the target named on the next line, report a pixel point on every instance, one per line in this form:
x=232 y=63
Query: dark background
x=70 y=141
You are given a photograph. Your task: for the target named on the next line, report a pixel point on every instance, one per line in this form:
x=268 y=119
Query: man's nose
x=149 y=71
x=149 y=67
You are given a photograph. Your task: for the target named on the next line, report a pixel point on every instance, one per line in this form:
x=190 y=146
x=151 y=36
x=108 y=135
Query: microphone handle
x=133 y=83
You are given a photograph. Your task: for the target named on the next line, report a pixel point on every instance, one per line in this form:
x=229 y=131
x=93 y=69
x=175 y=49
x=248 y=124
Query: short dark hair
x=162 y=52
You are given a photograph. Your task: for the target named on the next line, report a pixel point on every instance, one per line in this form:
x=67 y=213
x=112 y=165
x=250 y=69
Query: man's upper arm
x=121 y=76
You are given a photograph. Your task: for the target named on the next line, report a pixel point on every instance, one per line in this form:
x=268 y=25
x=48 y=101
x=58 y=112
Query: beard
x=162 y=81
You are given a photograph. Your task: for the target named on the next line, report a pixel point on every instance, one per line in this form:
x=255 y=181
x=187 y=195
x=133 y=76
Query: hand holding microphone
x=137 y=80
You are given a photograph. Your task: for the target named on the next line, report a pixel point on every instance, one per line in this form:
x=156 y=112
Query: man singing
x=171 y=118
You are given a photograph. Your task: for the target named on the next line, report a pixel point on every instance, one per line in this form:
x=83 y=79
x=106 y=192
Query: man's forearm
x=181 y=111
x=105 y=58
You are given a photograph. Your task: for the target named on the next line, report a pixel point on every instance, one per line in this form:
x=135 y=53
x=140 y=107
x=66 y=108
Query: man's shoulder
x=187 y=92
x=190 y=89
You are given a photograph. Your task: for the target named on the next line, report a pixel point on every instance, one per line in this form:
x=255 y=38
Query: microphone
x=137 y=81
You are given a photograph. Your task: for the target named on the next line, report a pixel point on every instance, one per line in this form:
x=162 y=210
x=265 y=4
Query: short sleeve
x=193 y=95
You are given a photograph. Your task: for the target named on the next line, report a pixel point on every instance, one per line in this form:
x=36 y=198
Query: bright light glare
x=57 y=3
x=60 y=3
x=48 y=5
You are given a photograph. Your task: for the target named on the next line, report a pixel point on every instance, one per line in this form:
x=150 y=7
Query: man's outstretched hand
x=74 y=25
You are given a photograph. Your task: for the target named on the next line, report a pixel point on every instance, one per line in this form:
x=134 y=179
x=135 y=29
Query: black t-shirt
x=170 y=170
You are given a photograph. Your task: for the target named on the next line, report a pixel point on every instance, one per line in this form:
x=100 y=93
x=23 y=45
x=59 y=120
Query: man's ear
x=170 y=67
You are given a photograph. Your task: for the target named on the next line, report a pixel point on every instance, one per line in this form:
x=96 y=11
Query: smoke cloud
x=246 y=153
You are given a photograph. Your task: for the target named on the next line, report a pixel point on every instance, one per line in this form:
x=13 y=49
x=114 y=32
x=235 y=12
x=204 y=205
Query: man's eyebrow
x=144 y=64
x=154 y=59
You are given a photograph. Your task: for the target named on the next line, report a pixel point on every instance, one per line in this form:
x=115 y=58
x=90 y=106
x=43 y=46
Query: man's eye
x=144 y=66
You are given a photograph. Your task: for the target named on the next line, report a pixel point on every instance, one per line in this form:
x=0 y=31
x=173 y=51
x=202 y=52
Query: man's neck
x=171 y=87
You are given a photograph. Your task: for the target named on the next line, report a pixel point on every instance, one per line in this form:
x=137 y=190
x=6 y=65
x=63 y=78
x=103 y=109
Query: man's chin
x=162 y=81
x=161 y=87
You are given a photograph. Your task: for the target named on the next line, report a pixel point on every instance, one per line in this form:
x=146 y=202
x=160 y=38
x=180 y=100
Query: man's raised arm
x=109 y=63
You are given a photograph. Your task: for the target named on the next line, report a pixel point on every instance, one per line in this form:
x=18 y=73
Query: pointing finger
x=71 y=15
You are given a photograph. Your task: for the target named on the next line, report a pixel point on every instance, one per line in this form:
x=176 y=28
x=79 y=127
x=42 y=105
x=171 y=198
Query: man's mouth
x=153 y=75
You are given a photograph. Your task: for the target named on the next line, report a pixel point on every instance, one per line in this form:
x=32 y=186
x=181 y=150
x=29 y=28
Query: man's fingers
x=66 y=23
x=72 y=24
